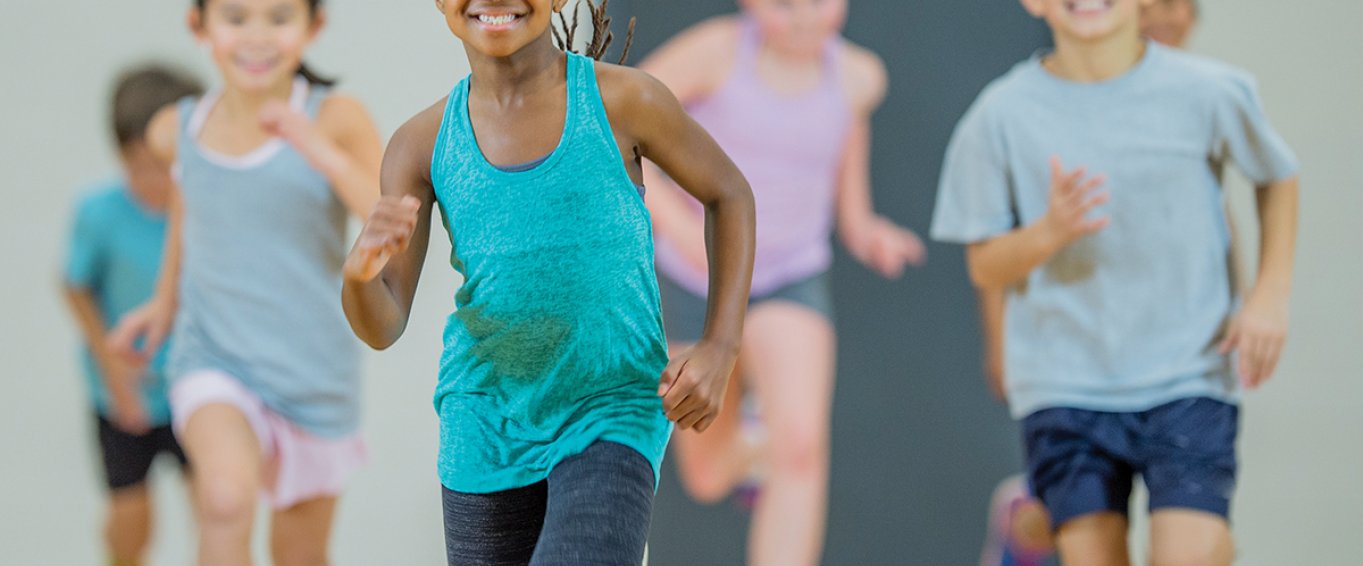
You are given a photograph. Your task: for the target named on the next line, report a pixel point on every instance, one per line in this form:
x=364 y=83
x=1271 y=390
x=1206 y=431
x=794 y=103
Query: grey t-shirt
x=1128 y=318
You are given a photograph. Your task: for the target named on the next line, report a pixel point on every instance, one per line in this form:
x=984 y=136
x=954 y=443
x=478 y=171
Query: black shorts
x=128 y=457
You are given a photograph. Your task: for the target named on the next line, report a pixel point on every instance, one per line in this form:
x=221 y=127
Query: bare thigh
x=1097 y=539
x=299 y=535
x=1186 y=536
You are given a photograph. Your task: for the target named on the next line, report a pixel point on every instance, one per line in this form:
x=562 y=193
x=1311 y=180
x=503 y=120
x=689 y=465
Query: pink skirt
x=299 y=466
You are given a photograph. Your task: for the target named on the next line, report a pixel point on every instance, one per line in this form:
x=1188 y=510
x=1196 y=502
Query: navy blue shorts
x=1081 y=462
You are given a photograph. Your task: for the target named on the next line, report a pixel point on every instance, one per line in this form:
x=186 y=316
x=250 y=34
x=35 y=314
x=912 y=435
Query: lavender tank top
x=789 y=146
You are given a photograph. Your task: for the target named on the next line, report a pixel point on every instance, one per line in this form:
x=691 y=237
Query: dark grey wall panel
x=918 y=443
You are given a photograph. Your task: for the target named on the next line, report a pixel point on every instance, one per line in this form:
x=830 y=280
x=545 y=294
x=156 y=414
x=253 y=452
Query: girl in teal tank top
x=555 y=379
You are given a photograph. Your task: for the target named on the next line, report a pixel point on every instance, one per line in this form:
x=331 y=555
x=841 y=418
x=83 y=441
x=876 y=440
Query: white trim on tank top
x=298 y=99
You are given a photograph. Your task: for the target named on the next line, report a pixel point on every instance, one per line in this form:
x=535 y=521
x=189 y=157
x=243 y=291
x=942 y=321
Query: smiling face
x=1169 y=21
x=499 y=28
x=256 y=44
x=1087 y=20
x=798 y=28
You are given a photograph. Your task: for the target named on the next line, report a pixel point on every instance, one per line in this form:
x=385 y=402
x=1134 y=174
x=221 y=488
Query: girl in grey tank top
x=264 y=370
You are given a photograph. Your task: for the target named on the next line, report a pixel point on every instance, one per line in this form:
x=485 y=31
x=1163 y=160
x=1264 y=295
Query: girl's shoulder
x=636 y=103
x=413 y=144
x=342 y=115
x=698 y=60
x=163 y=133
x=425 y=125
x=629 y=89
x=864 y=79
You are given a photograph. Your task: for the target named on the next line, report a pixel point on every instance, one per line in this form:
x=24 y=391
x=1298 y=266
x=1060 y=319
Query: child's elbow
x=376 y=338
x=741 y=198
x=980 y=275
x=979 y=278
x=376 y=341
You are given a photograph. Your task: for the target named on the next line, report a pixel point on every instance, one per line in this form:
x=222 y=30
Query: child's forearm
x=355 y=186
x=93 y=330
x=1005 y=260
x=730 y=239
x=991 y=303
x=167 y=290
x=1277 y=239
x=88 y=319
x=854 y=209
x=373 y=311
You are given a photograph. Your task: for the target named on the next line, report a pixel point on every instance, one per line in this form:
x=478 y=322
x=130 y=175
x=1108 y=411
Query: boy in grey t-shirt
x=1120 y=314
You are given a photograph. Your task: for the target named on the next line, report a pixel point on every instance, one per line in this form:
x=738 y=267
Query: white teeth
x=1088 y=5
x=497 y=20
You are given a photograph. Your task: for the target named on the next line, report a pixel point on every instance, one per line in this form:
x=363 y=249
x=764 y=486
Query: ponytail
x=601 y=34
x=313 y=78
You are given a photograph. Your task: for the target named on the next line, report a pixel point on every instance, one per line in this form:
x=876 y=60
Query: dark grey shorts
x=684 y=311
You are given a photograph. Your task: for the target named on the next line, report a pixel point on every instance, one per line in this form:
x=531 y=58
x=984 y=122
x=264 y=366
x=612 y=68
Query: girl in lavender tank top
x=790 y=101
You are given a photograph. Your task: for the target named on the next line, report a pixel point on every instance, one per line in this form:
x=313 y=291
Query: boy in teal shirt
x=115 y=252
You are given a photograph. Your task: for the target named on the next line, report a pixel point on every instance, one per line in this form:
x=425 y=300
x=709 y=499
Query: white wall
x=1300 y=500
x=1301 y=493
x=59 y=59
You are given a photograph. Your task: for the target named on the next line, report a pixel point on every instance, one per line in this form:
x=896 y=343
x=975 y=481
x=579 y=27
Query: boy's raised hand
x=1072 y=196
x=386 y=233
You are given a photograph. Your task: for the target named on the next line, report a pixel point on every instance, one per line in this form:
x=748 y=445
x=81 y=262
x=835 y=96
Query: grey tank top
x=264 y=237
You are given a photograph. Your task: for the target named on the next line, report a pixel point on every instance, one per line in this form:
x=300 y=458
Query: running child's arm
x=384 y=266
x=873 y=239
x=1007 y=259
x=991 y=303
x=693 y=384
x=152 y=321
x=343 y=145
x=85 y=267
x=1259 y=330
x=692 y=65
x=120 y=378
x=1244 y=136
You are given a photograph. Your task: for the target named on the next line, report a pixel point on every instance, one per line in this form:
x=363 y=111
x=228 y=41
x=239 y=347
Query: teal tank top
x=556 y=341
x=263 y=239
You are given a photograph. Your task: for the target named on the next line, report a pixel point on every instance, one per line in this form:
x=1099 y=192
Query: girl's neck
x=1096 y=60
x=238 y=102
x=790 y=59
x=534 y=68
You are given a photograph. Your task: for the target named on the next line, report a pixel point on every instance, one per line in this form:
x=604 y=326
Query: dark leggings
x=594 y=509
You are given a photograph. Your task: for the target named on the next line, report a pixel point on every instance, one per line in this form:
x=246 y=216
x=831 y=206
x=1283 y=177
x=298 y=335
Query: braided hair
x=601 y=34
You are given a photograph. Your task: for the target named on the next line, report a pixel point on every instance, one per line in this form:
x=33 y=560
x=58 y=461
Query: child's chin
x=1092 y=30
